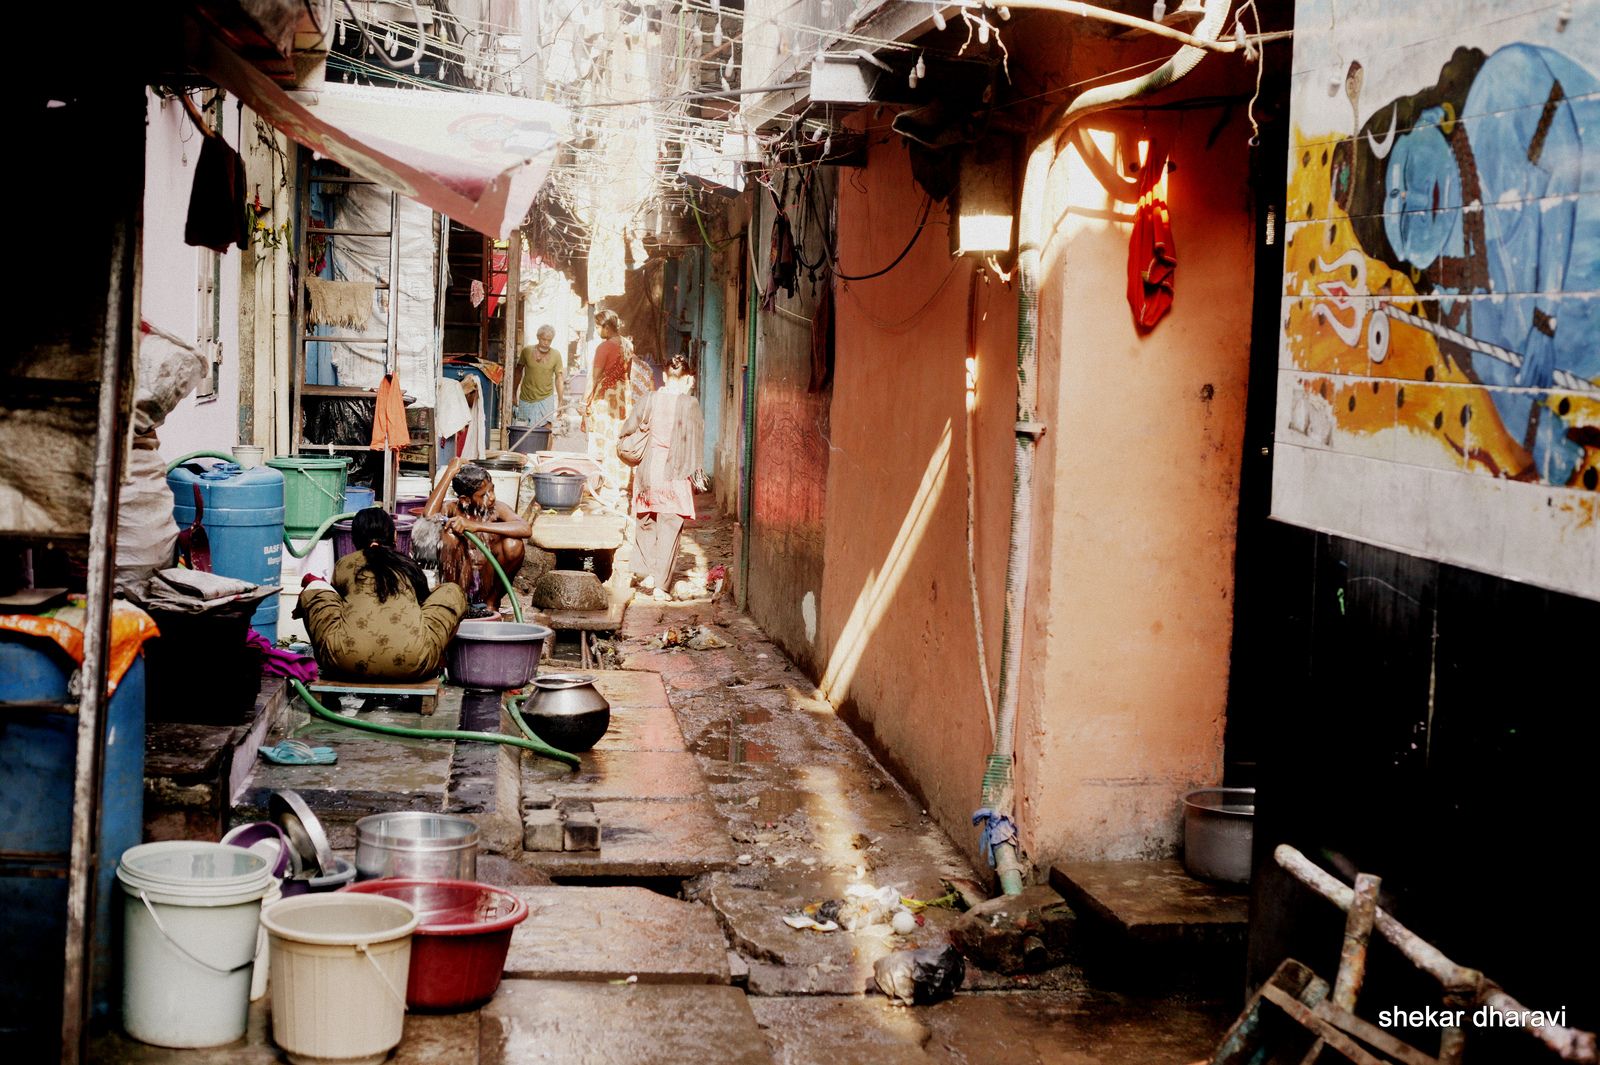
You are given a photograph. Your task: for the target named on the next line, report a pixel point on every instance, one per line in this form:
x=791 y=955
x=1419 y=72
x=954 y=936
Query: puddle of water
x=775 y=803
x=718 y=746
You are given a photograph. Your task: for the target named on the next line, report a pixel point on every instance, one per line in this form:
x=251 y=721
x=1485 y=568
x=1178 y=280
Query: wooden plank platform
x=1154 y=902
x=428 y=689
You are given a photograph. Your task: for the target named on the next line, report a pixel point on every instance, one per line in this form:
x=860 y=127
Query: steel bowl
x=409 y=843
x=300 y=825
x=558 y=491
x=1218 y=833
x=567 y=711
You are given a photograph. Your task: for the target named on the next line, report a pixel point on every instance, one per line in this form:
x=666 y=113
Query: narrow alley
x=801 y=532
x=630 y=957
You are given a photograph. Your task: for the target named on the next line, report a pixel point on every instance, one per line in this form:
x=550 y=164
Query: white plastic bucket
x=191 y=912
x=248 y=456
x=258 y=975
x=339 y=968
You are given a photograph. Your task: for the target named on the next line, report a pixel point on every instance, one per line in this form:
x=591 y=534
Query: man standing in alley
x=539 y=379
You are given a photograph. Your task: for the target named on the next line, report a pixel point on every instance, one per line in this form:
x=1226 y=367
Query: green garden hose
x=223 y=455
x=315 y=538
x=514 y=708
x=532 y=743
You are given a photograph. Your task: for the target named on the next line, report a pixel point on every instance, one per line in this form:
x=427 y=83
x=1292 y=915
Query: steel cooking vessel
x=410 y=843
x=567 y=712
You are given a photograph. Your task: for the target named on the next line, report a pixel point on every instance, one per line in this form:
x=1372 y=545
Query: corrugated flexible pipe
x=997 y=778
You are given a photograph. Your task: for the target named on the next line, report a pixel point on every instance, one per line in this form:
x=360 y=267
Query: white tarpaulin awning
x=476 y=158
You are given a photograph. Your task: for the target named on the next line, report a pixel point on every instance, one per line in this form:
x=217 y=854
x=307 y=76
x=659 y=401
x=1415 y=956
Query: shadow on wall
x=878 y=591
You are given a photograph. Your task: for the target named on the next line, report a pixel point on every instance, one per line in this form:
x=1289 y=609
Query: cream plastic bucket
x=339 y=969
x=191 y=911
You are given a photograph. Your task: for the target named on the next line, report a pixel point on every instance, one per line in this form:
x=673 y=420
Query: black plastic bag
x=918 y=977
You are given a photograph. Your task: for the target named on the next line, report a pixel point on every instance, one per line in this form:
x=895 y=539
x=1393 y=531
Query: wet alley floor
x=743 y=799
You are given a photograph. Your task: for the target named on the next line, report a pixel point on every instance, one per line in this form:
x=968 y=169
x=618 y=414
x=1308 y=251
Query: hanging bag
x=631 y=446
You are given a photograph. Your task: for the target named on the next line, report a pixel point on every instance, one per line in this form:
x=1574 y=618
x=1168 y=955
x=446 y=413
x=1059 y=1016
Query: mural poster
x=1439 y=371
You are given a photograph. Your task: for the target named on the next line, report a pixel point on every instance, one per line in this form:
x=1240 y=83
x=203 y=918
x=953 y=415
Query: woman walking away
x=605 y=407
x=476 y=510
x=667 y=476
x=377 y=620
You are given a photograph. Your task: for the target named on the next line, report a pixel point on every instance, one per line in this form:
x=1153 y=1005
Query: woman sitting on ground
x=476 y=510
x=377 y=620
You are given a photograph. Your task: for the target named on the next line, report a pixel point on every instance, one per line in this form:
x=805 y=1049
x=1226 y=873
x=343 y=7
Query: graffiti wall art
x=1439 y=374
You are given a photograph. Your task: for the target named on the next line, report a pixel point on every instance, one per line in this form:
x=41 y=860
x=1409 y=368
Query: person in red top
x=605 y=407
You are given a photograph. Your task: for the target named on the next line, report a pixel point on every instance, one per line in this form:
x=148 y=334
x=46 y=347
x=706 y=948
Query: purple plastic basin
x=494 y=654
x=247 y=836
x=344 y=541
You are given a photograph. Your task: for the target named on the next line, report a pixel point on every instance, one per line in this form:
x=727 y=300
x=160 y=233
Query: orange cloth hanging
x=1152 y=258
x=389 y=416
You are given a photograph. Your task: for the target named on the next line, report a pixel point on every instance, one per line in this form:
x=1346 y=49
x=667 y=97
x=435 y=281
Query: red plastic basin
x=459 y=948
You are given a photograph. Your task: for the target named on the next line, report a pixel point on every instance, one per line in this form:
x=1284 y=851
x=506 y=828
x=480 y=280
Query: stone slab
x=647 y=839
x=532 y=1021
x=608 y=775
x=642 y=728
x=624 y=687
x=577 y=531
x=1154 y=901
x=825 y=1030
x=612 y=933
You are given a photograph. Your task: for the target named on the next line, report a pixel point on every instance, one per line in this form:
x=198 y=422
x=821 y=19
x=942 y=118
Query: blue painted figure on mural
x=1498 y=200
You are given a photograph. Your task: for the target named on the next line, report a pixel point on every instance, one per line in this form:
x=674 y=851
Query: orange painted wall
x=895 y=628
x=1127 y=644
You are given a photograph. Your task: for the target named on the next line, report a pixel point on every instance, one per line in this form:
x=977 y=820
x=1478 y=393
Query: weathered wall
x=896 y=634
x=1125 y=674
x=169 y=295
x=790 y=472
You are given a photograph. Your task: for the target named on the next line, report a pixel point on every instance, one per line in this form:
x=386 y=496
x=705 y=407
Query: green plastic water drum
x=313 y=491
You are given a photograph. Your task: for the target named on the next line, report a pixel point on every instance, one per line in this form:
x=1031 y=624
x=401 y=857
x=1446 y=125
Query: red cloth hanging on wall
x=1152 y=259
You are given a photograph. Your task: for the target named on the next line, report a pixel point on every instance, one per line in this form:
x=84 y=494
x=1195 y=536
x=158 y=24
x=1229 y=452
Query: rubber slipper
x=298 y=752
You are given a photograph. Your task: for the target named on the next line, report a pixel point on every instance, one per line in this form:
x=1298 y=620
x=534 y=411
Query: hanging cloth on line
x=389 y=416
x=1152 y=258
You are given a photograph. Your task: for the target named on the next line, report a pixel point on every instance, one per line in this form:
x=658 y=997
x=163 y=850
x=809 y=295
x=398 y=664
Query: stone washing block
x=570 y=589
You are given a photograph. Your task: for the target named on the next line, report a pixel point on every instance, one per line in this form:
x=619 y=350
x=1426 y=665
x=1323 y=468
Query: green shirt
x=538 y=375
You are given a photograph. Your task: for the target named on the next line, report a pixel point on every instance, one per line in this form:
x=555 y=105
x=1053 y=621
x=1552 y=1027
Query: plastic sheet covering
x=169 y=369
x=146 y=533
x=367 y=259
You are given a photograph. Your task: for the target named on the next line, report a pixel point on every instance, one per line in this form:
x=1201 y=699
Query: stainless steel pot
x=567 y=712
x=409 y=843
x=558 y=491
x=1218 y=831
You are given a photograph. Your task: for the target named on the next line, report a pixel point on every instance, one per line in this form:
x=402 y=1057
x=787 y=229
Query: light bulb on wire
x=922 y=68
x=938 y=16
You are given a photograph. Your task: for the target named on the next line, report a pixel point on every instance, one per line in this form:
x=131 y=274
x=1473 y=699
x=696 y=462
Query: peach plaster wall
x=895 y=624
x=1131 y=612
x=1127 y=646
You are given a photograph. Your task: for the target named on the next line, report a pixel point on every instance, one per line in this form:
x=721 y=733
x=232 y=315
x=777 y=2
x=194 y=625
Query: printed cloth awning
x=476 y=158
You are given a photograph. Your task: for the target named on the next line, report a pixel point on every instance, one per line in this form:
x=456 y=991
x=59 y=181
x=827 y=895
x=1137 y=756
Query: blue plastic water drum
x=38 y=749
x=244 y=523
x=358 y=499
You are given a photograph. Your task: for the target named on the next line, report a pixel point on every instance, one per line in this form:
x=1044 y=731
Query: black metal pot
x=567 y=712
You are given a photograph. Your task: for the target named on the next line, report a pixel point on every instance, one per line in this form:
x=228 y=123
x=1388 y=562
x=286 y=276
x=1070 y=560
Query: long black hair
x=372 y=532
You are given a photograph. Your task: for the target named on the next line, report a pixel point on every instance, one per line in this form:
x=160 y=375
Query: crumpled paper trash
x=692 y=637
